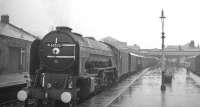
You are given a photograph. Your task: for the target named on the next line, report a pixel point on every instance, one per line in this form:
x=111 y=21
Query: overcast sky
x=132 y=21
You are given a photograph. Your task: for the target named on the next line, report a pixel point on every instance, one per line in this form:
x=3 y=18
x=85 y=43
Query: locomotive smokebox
x=63 y=28
x=58 y=50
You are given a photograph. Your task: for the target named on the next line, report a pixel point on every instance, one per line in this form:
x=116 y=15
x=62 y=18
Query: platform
x=184 y=91
x=12 y=79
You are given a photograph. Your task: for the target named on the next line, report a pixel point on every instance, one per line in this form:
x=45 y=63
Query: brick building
x=14 y=47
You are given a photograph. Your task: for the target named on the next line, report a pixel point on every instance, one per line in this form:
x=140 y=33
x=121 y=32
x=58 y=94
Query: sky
x=131 y=21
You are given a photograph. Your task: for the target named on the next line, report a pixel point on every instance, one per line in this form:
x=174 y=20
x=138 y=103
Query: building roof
x=8 y=29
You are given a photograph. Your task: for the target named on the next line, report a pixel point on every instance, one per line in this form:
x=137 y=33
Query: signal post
x=163 y=54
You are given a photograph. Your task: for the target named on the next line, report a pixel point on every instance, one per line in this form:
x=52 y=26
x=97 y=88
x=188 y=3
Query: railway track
x=101 y=99
x=8 y=96
x=11 y=103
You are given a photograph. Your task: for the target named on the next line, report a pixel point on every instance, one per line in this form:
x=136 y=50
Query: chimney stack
x=63 y=28
x=5 y=19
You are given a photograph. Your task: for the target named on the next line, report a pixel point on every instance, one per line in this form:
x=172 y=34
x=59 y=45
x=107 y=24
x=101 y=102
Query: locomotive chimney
x=63 y=28
x=5 y=19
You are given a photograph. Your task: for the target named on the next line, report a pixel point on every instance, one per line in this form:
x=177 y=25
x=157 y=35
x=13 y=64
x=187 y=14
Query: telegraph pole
x=163 y=55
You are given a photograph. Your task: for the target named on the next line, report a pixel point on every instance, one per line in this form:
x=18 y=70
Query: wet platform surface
x=105 y=98
x=145 y=92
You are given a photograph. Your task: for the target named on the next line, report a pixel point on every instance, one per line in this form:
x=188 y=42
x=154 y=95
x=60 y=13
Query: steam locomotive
x=66 y=67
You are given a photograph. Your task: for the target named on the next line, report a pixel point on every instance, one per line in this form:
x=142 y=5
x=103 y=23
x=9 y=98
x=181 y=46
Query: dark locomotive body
x=66 y=67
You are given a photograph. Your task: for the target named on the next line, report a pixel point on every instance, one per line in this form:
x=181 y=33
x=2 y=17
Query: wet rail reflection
x=184 y=91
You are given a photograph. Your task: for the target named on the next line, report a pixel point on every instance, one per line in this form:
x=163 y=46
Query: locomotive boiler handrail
x=61 y=57
x=68 y=45
x=104 y=68
x=93 y=48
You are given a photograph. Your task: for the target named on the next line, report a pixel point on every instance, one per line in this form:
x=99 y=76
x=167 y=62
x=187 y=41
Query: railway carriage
x=196 y=66
x=124 y=63
x=193 y=63
x=135 y=62
x=149 y=61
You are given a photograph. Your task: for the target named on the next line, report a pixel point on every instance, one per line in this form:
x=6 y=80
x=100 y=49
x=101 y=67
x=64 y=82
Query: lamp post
x=163 y=46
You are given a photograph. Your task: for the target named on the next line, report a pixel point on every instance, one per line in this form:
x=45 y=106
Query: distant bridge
x=171 y=53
